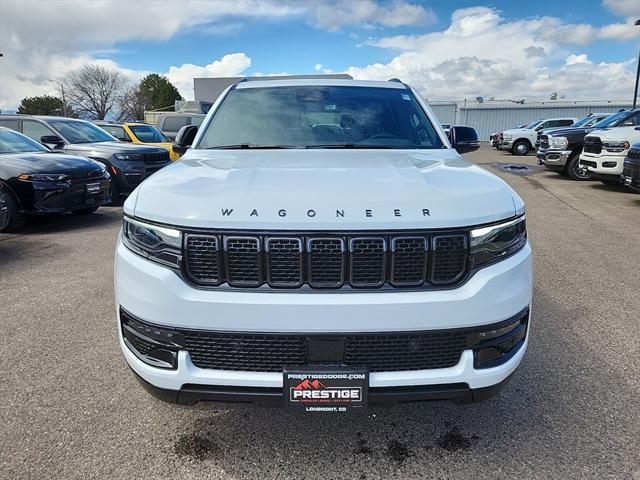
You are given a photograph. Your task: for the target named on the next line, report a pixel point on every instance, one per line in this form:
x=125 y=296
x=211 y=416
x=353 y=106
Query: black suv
x=560 y=149
x=127 y=163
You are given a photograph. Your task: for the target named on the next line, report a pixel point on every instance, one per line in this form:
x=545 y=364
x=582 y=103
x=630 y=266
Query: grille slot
x=203 y=259
x=449 y=258
x=284 y=262
x=326 y=262
x=368 y=261
x=409 y=261
x=243 y=261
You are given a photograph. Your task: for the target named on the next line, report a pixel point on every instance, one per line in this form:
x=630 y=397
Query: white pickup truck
x=328 y=251
x=604 y=150
x=520 y=141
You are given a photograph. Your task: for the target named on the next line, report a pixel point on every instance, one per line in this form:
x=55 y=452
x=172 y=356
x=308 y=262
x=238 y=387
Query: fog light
x=609 y=164
x=496 y=346
x=153 y=345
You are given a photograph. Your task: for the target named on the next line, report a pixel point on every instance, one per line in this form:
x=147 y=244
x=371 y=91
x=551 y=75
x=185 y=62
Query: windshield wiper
x=350 y=145
x=250 y=146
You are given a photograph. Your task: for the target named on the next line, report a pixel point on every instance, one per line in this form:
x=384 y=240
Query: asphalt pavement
x=70 y=408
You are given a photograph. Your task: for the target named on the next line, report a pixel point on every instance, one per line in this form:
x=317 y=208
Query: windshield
x=14 y=142
x=534 y=124
x=320 y=117
x=148 y=134
x=76 y=131
x=612 y=120
x=583 y=121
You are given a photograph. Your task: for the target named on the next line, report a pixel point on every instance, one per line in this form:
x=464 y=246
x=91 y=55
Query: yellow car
x=139 y=133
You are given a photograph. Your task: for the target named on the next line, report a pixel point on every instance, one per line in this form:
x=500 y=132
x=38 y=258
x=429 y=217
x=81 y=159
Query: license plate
x=325 y=390
x=93 y=188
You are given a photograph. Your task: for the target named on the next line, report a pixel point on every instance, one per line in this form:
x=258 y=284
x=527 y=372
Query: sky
x=455 y=49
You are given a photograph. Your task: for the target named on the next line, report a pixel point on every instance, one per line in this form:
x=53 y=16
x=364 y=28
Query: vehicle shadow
x=543 y=397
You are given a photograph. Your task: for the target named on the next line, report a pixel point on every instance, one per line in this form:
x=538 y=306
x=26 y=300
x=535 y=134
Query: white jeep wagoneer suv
x=323 y=246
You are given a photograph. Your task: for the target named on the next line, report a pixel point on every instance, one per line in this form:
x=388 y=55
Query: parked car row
x=596 y=151
x=40 y=158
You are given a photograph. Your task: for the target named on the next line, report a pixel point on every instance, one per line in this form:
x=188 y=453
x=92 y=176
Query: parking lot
x=71 y=408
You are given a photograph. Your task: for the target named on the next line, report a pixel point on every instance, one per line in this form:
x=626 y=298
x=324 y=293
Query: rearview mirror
x=184 y=139
x=54 y=140
x=464 y=139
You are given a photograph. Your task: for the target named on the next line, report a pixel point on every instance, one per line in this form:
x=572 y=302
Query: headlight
x=490 y=244
x=44 y=177
x=129 y=156
x=615 y=147
x=160 y=244
x=558 y=142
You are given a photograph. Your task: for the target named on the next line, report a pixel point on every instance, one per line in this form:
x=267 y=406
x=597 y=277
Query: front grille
x=544 y=142
x=326 y=262
x=377 y=352
x=157 y=159
x=274 y=352
x=592 y=145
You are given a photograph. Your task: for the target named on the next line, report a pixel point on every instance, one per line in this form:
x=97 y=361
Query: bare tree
x=95 y=91
x=132 y=104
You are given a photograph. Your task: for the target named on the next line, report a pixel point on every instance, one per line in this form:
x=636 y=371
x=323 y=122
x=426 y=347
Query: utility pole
x=64 y=102
x=635 y=92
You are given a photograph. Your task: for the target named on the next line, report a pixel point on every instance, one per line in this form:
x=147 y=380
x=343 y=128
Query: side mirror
x=184 y=139
x=54 y=140
x=464 y=139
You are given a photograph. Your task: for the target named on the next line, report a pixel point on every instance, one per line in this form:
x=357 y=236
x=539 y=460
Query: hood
x=628 y=134
x=515 y=131
x=114 y=147
x=564 y=132
x=35 y=162
x=323 y=190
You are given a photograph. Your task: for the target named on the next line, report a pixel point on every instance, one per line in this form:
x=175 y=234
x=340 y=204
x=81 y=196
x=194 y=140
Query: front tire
x=521 y=147
x=574 y=170
x=115 y=193
x=10 y=218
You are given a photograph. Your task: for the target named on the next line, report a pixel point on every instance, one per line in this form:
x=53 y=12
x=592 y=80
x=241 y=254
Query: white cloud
x=44 y=39
x=483 y=54
x=317 y=67
x=576 y=59
x=230 y=65
x=625 y=8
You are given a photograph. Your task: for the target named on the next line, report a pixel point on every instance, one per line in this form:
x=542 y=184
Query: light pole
x=64 y=102
x=635 y=92
x=1 y=55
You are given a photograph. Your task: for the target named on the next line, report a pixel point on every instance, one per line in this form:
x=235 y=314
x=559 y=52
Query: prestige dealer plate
x=325 y=389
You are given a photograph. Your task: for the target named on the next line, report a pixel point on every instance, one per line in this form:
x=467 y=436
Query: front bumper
x=506 y=144
x=157 y=295
x=631 y=174
x=603 y=164
x=553 y=159
x=76 y=195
